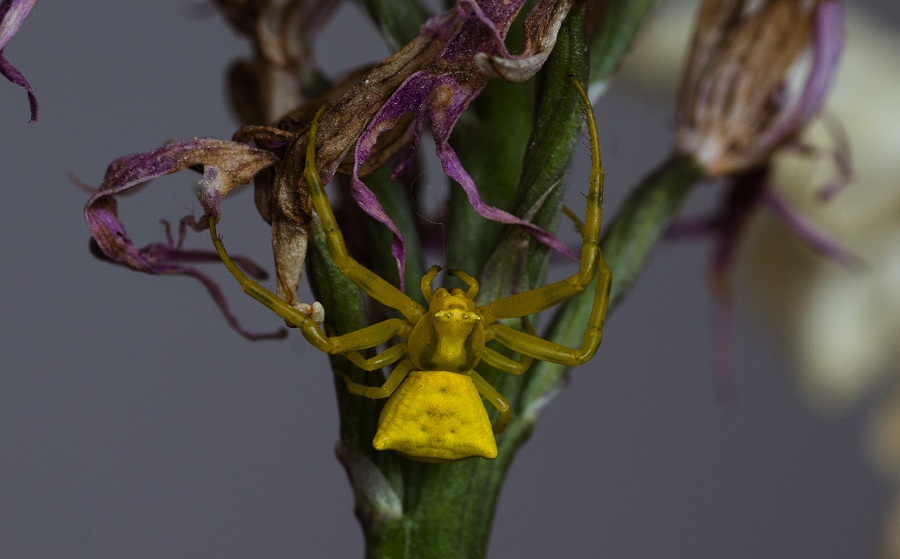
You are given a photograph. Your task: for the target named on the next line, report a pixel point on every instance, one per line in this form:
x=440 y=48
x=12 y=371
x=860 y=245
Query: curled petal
x=171 y=259
x=12 y=15
x=813 y=235
x=541 y=28
x=287 y=205
x=225 y=165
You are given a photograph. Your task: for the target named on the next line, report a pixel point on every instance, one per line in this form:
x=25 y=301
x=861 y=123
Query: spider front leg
x=383 y=359
x=506 y=364
x=531 y=345
x=542 y=298
x=592 y=265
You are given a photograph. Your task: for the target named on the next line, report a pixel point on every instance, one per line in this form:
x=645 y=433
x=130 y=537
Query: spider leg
x=495 y=398
x=470 y=282
x=530 y=344
x=385 y=390
x=506 y=364
x=592 y=264
x=542 y=298
x=503 y=363
x=364 y=338
x=426 y=282
x=383 y=359
x=367 y=280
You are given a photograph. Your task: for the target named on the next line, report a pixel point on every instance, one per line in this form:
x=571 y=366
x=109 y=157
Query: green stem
x=415 y=510
x=643 y=219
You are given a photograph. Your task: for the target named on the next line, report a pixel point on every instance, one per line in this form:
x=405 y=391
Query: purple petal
x=498 y=34
x=694 y=228
x=840 y=154
x=454 y=169
x=12 y=15
x=827 y=47
x=164 y=267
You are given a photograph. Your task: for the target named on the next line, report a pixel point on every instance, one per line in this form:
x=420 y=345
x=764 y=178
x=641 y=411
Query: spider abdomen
x=436 y=416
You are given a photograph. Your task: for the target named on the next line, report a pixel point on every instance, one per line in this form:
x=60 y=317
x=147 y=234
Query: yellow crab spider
x=434 y=412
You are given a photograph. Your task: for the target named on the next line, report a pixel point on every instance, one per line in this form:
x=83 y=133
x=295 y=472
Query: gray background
x=135 y=423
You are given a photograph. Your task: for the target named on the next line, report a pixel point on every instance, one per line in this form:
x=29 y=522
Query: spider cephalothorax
x=450 y=335
x=434 y=412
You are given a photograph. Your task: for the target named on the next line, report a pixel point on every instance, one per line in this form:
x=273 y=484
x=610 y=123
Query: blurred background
x=135 y=423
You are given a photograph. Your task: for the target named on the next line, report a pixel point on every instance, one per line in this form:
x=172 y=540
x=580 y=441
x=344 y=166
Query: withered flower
x=225 y=165
x=12 y=15
x=268 y=84
x=757 y=73
x=440 y=92
x=433 y=78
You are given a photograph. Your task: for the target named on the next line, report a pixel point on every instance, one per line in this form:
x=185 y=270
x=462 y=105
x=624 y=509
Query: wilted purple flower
x=434 y=77
x=369 y=107
x=12 y=15
x=225 y=165
x=758 y=73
